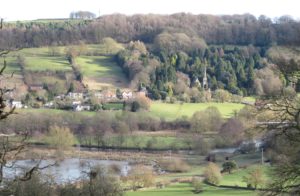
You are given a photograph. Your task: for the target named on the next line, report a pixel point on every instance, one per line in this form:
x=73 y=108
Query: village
x=82 y=101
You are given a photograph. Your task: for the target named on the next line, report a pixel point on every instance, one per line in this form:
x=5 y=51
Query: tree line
x=227 y=29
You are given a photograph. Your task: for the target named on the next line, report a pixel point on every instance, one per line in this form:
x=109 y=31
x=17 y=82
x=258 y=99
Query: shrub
x=60 y=137
x=254 y=178
x=209 y=120
x=140 y=176
x=174 y=165
x=36 y=185
x=201 y=146
x=212 y=173
x=197 y=185
x=144 y=102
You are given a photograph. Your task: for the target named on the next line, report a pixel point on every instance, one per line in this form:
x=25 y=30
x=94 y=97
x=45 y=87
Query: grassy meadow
x=47 y=63
x=186 y=189
x=98 y=66
x=98 y=71
x=178 y=110
x=101 y=71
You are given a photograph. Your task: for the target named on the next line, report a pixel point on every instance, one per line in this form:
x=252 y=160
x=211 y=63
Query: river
x=67 y=170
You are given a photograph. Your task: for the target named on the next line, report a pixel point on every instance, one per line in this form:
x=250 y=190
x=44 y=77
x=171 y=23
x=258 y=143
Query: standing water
x=67 y=170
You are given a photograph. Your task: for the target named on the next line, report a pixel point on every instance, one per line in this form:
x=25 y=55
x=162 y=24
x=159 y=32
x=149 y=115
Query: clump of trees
x=140 y=103
x=208 y=120
x=111 y=46
x=267 y=82
x=229 y=166
x=232 y=132
x=60 y=138
x=82 y=15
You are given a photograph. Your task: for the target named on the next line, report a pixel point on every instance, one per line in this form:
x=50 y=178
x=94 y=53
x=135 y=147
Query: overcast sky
x=35 y=9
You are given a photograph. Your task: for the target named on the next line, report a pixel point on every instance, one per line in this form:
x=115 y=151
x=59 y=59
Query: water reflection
x=66 y=170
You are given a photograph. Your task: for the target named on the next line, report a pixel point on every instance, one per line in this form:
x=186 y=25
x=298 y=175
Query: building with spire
x=204 y=83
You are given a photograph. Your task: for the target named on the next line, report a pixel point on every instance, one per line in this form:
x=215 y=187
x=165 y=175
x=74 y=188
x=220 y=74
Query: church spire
x=204 y=83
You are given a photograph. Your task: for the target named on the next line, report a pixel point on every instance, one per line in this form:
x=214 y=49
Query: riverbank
x=43 y=152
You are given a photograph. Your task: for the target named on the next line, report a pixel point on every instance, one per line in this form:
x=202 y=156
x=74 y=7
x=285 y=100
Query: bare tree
x=281 y=116
x=11 y=145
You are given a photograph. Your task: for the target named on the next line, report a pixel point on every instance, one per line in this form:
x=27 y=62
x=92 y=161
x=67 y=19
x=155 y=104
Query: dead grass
x=105 y=82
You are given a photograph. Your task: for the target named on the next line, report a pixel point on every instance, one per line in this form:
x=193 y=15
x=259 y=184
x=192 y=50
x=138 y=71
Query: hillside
x=101 y=71
x=48 y=66
x=177 y=64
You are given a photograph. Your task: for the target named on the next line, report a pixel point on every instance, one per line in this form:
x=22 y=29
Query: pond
x=68 y=169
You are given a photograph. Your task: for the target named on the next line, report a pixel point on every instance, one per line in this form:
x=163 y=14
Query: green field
x=185 y=189
x=173 y=111
x=236 y=178
x=47 y=63
x=99 y=66
x=98 y=71
x=11 y=65
x=101 y=71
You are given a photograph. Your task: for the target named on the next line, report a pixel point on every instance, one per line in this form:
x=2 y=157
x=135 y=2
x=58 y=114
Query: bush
x=212 y=173
x=197 y=185
x=201 y=146
x=144 y=102
x=221 y=95
x=209 y=120
x=140 y=176
x=37 y=186
x=100 y=182
x=254 y=178
x=174 y=165
x=60 y=137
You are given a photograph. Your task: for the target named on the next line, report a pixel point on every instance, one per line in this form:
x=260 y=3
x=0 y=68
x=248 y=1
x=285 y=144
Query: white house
x=127 y=95
x=75 y=95
x=99 y=95
x=16 y=104
x=49 y=104
x=79 y=108
x=75 y=103
x=60 y=97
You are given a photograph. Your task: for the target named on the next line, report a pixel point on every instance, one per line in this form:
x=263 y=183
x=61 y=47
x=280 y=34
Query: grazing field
x=11 y=65
x=173 y=111
x=47 y=63
x=101 y=71
x=185 y=189
x=99 y=66
x=236 y=178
